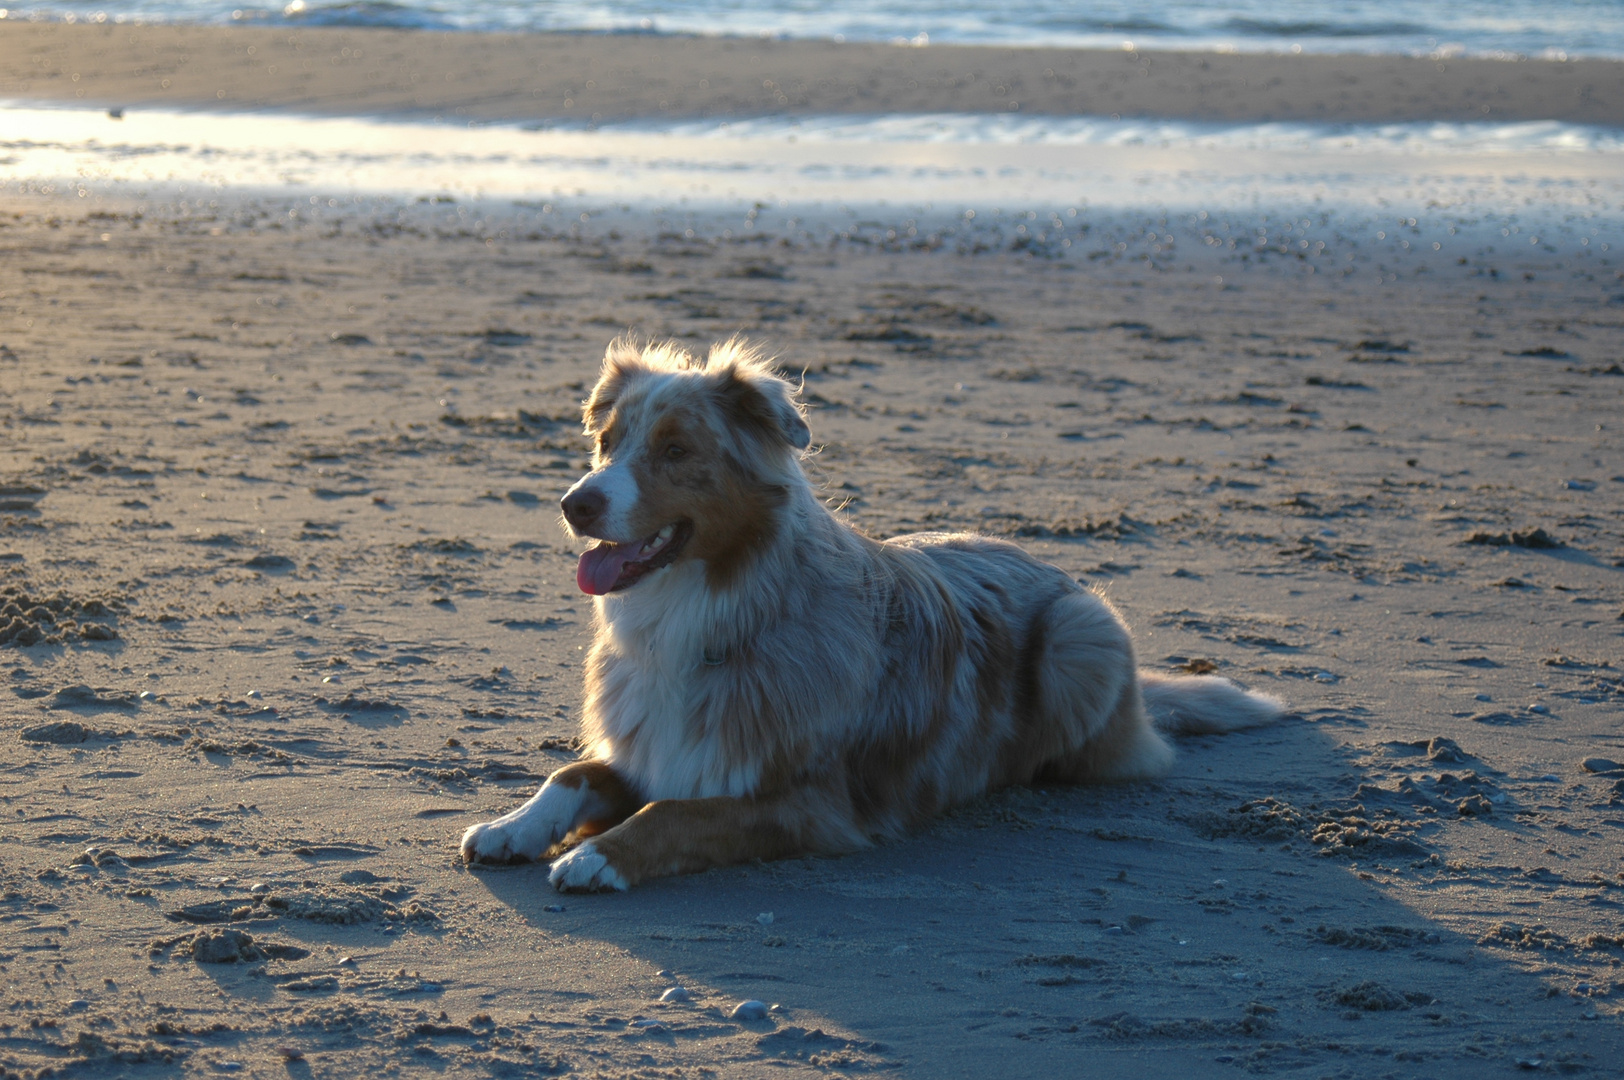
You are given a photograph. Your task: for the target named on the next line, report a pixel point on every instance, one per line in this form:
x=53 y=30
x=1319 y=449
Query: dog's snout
x=582 y=507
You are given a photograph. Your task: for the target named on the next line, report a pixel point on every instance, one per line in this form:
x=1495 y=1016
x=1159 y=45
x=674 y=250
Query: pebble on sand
x=750 y=1010
x=676 y=993
x=223 y=947
x=1600 y=765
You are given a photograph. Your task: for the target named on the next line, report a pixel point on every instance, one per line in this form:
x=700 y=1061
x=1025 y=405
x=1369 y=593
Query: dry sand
x=594 y=77
x=278 y=507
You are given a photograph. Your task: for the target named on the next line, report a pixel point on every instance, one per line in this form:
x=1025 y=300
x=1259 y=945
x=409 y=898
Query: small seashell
x=676 y=993
x=750 y=1010
x=765 y=918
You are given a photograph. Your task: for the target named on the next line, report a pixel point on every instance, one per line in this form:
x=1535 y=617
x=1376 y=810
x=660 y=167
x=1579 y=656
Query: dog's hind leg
x=1088 y=720
x=684 y=836
x=587 y=796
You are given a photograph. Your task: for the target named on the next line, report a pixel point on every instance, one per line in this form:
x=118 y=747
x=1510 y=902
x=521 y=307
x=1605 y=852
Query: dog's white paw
x=495 y=842
x=585 y=869
x=528 y=831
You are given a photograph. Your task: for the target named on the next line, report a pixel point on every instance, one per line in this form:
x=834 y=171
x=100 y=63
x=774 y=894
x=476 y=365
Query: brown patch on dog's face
x=686 y=471
x=606 y=439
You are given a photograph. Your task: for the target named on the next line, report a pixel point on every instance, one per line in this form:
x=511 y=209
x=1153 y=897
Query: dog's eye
x=675 y=453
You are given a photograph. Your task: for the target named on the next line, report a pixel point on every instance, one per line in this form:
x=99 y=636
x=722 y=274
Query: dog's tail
x=1204 y=704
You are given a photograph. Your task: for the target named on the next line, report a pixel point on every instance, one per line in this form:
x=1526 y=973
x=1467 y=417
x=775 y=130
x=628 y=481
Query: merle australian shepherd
x=766 y=681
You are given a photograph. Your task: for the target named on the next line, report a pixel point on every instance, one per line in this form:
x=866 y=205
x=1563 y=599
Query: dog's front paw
x=586 y=869
x=506 y=840
x=489 y=841
x=526 y=833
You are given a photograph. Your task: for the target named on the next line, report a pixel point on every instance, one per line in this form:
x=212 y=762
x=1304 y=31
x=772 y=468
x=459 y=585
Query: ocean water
x=1535 y=28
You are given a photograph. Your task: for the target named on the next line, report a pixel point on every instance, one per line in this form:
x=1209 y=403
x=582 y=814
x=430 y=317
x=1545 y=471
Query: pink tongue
x=600 y=567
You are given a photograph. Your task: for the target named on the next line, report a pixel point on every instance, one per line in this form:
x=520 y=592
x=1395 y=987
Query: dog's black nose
x=582 y=507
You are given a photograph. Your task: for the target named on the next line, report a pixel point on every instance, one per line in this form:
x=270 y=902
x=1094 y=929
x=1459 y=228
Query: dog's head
x=693 y=458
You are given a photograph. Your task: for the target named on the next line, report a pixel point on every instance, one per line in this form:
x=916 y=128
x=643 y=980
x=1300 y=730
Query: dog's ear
x=759 y=400
x=621 y=361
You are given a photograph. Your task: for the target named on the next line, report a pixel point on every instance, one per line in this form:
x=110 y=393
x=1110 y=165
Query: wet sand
x=587 y=77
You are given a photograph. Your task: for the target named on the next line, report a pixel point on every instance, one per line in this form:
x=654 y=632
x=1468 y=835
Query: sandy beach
x=285 y=605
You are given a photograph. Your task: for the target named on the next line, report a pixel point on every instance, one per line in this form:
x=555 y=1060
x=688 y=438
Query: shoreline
x=607 y=78
x=1343 y=176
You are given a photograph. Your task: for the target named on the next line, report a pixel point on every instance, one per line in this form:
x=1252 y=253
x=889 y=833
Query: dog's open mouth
x=606 y=568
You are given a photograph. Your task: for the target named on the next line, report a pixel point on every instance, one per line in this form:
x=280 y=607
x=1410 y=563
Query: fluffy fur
x=765 y=681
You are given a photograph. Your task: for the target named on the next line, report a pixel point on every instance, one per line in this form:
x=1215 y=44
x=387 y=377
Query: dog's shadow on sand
x=1247 y=911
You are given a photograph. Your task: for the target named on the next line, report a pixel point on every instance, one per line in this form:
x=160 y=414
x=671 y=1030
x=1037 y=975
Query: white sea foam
x=966 y=161
x=1428 y=137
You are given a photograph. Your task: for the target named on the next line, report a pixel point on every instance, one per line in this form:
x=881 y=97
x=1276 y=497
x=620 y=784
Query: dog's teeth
x=658 y=540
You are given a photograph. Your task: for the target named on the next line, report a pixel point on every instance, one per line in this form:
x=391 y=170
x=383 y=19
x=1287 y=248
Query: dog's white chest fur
x=658 y=664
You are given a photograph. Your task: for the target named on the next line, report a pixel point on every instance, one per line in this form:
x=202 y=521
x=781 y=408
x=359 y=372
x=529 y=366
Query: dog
x=765 y=681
